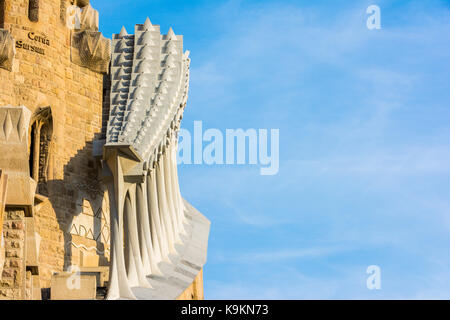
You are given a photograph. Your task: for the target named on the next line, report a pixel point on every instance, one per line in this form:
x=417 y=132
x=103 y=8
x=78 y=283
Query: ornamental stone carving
x=89 y=18
x=7 y=50
x=80 y=16
x=91 y=50
x=73 y=17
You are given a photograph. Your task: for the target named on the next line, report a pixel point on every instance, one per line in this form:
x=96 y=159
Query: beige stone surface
x=36 y=293
x=13 y=282
x=101 y=274
x=33 y=242
x=68 y=286
x=7 y=50
x=3 y=185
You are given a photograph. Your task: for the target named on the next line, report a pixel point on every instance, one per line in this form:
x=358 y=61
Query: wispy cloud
x=363 y=118
x=281 y=255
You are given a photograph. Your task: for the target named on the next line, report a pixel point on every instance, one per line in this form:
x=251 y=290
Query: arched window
x=40 y=137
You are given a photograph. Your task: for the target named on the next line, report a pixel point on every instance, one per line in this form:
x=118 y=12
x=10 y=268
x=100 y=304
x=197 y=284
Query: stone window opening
x=2 y=13
x=33 y=10
x=41 y=131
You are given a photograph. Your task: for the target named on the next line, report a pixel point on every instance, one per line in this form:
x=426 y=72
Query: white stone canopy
x=158 y=241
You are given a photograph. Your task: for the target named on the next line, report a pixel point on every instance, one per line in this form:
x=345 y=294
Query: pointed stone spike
x=148 y=25
x=171 y=35
x=120 y=74
x=120 y=85
x=123 y=32
x=121 y=60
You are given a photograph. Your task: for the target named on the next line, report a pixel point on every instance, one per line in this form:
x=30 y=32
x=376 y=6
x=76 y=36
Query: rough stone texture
x=52 y=252
x=12 y=285
x=7 y=50
x=63 y=11
x=3 y=186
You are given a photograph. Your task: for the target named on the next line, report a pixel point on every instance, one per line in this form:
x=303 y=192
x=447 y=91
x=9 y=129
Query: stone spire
x=123 y=32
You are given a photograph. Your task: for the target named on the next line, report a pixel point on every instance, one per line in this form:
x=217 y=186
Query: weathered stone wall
x=13 y=280
x=43 y=76
x=51 y=257
x=3 y=185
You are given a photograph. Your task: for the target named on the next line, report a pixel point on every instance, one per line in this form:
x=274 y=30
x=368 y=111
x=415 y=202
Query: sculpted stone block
x=14 y=124
x=7 y=50
x=36 y=288
x=68 y=286
x=91 y=50
x=81 y=17
x=73 y=17
x=89 y=18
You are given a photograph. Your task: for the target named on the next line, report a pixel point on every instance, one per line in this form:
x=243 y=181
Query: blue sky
x=364 y=119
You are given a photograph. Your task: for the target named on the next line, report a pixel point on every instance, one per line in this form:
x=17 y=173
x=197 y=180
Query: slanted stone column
x=149 y=86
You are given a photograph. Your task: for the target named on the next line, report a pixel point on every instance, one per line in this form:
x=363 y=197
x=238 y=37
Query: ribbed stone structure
x=158 y=241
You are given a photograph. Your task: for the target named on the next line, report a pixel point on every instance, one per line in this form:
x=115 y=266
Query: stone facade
x=43 y=76
x=54 y=108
